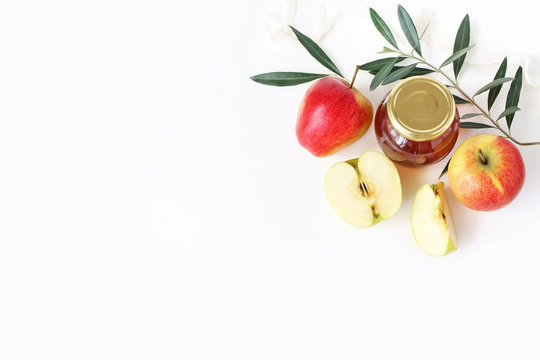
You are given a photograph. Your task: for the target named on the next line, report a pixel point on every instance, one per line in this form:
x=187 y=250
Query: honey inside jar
x=417 y=123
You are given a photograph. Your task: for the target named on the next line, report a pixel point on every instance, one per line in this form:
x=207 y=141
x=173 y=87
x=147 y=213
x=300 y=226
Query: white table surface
x=155 y=204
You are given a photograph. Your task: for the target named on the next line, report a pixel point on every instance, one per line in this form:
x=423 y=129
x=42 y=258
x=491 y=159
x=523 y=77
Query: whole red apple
x=486 y=172
x=332 y=115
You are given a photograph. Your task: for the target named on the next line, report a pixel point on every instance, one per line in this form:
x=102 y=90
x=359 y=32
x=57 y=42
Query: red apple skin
x=488 y=186
x=332 y=116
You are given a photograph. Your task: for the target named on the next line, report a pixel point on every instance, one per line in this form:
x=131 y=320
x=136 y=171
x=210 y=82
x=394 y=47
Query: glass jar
x=417 y=123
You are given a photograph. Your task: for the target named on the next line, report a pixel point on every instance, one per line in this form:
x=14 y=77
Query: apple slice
x=432 y=223
x=364 y=191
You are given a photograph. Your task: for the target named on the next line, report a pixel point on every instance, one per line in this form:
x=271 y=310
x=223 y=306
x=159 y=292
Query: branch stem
x=470 y=99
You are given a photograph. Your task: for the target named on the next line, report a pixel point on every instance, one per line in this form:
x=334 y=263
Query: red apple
x=332 y=115
x=486 y=172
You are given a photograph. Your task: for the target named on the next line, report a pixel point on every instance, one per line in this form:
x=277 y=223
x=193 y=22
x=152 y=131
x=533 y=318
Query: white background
x=155 y=204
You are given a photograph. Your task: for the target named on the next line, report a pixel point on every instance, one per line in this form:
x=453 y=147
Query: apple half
x=432 y=223
x=364 y=191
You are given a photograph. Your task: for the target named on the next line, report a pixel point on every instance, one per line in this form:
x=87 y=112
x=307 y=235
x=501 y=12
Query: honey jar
x=417 y=123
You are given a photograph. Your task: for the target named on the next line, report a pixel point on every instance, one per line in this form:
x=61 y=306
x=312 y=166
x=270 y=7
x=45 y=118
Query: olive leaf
x=377 y=65
x=468 y=116
x=445 y=168
x=458 y=54
x=415 y=72
x=474 y=125
x=459 y=100
x=285 y=78
x=462 y=42
x=420 y=71
x=512 y=99
x=399 y=74
x=492 y=84
x=409 y=29
x=509 y=111
x=386 y=50
x=494 y=92
x=423 y=32
x=382 y=27
x=381 y=75
x=316 y=51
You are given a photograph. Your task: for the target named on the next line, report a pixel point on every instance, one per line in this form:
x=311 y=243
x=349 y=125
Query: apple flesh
x=432 y=223
x=486 y=172
x=364 y=191
x=332 y=115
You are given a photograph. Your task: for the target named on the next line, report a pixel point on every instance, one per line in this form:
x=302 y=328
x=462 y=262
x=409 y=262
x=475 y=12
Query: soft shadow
x=466 y=221
x=531 y=157
x=411 y=180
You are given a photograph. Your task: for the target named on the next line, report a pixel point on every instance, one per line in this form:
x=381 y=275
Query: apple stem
x=354 y=76
x=482 y=157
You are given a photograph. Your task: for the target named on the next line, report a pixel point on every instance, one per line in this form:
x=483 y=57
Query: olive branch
x=386 y=71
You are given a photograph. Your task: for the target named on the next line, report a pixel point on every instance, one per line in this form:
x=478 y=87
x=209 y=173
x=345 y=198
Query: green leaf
x=399 y=74
x=494 y=92
x=285 y=78
x=419 y=71
x=445 y=168
x=458 y=54
x=416 y=71
x=409 y=29
x=379 y=63
x=474 y=125
x=492 y=84
x=508 y=111
x=459 y=100
x=386 y=50
x=423 y=32
x=316 y=51
x=512 y=99
x=468 y=116
x=462 y=42
x=382 y=27
x=381 y=75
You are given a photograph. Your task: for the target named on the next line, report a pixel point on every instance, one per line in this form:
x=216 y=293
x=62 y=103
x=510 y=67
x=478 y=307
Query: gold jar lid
x=421 y=108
